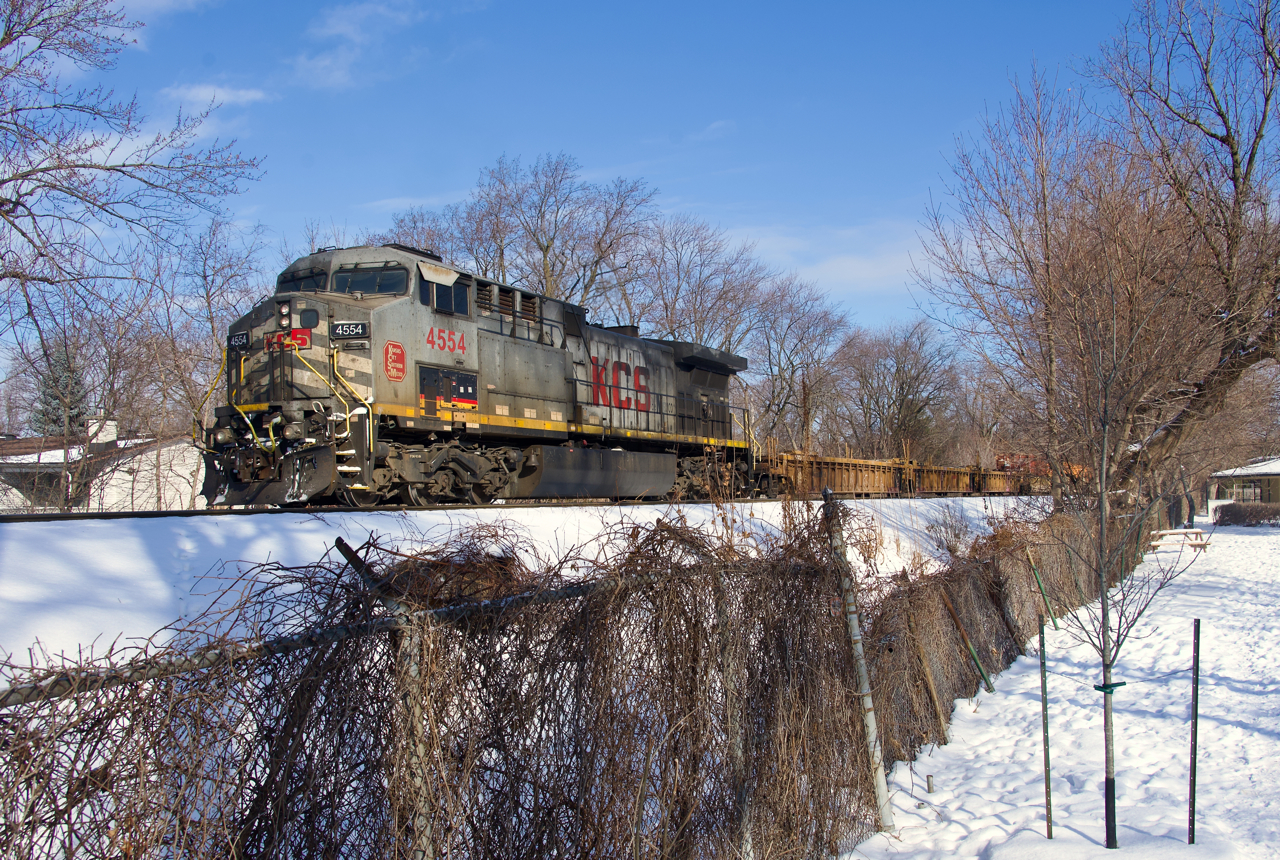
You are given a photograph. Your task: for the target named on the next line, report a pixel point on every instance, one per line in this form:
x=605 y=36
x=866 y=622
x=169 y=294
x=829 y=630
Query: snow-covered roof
x=1257 y=469
x=52 y=449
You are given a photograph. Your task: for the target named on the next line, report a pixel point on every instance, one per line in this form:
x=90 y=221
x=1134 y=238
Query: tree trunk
x=1108 y=729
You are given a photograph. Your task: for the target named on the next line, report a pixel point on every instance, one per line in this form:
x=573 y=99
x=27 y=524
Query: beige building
x=1257 y=481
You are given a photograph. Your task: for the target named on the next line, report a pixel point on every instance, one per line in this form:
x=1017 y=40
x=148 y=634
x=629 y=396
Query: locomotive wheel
x=360 y=498
x=417 y=496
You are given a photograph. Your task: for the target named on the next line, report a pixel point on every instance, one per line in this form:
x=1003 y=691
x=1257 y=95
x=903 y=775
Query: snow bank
x=989 y=797
x=80 y=583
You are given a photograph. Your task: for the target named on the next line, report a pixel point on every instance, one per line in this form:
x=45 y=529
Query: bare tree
x=984 y=428
x=791 y=350
x=540 y=227
x=79 y=176
x=897 y=381
x=193 y=296
x=1116 y=274
x=697 y=285
x=1198 y=89
x=994 y=254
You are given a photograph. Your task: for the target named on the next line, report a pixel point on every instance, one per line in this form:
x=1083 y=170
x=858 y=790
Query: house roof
x=1266 y=467
x=43 y=449
x=46 y=450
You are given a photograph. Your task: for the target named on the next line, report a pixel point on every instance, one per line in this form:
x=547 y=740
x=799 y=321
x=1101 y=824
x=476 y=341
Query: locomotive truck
x=382 y=375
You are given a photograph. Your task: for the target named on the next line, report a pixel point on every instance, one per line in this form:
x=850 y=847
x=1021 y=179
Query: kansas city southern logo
x=393 y=361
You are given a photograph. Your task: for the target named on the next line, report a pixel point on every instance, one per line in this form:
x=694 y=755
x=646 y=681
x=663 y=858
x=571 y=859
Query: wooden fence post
x=928 y=674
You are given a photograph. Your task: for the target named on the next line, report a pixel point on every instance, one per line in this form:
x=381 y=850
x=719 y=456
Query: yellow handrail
x=257 y=442
x=196 y=426
x=368 y=407
x=346 y=411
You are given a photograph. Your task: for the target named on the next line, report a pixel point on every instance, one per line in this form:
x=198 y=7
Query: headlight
x=224 y=436
x=293 y=432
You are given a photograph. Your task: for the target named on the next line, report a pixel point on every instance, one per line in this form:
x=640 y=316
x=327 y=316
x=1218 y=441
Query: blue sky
x=817 y=130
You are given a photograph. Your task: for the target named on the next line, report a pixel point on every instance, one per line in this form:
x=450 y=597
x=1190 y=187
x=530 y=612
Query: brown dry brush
x=700 y=702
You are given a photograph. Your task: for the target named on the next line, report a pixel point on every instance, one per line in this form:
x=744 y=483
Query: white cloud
x=870 y=261
x=716 y=130
x=398 y=204
x=200 y=95
x=362 y=23
x=354 y=32
x=151 y=8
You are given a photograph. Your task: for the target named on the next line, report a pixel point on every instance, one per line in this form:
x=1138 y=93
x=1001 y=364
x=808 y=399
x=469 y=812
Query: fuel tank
x=557 y=472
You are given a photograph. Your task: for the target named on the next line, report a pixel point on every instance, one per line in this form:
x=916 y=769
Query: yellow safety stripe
x=393 y=409
x=253 y=407
x=535 y=424
x=566 y=427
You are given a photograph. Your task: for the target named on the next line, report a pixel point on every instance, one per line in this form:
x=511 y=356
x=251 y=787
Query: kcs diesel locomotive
x=381 y=375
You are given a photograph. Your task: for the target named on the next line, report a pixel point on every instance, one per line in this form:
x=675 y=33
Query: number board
x=345 y=330
x=238 y=340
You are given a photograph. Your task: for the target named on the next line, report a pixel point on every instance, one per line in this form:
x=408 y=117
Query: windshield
x=302 y=280
x=369 y=281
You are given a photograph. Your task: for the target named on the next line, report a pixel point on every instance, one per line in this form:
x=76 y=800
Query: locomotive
x=382 y=375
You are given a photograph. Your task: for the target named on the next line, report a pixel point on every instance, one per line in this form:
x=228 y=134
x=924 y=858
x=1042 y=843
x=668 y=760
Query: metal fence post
x=1195 y=725
x=848 y=589
x=1044 y=721
x=409 y=655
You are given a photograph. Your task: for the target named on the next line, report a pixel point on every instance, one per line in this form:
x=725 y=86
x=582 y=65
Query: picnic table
x=1180 y=538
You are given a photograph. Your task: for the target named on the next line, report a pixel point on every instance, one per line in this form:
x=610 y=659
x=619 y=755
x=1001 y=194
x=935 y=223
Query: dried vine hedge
x=698 y=700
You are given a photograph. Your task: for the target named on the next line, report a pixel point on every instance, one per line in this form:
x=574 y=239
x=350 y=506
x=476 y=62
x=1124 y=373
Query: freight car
x=802 y=474
x=381 y=375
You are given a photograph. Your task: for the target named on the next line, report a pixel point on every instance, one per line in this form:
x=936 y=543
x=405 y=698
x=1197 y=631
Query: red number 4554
x=439 y=338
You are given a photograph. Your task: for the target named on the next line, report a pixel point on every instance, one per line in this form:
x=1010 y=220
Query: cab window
x=371 y=281
x=446 y=299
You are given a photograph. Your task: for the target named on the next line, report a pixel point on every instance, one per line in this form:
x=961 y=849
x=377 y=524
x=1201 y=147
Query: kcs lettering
x=617 y=390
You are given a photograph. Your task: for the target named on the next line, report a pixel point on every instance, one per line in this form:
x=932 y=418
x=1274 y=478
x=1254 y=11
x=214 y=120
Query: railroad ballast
x=382 y=375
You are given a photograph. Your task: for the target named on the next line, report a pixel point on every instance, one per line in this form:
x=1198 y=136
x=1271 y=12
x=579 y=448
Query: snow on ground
x=90 y=582
x=989 y=791
x=80 y=583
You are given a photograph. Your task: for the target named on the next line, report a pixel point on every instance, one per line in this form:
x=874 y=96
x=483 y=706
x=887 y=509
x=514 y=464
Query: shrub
x=1247 y=514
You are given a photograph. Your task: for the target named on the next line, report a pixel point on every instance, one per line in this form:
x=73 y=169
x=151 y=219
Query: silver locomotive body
x=380 y=375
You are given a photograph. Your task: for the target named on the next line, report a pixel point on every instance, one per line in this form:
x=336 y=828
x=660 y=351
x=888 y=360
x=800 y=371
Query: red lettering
x=642 y=387
x=618 y=400
x=599 y=386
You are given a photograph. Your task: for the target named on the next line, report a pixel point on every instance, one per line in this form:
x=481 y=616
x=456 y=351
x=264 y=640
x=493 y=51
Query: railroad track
x=336 y=509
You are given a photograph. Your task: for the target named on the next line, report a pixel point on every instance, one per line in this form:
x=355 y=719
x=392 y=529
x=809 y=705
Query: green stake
x=1044 y=721
x=1043 y=594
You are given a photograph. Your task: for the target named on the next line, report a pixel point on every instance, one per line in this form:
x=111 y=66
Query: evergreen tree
x=61 y=398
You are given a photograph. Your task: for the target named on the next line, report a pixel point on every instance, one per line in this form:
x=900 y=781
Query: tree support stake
x=1043 y=594
x=1044 y=723
x=928 y=676
x=964 y=637
x=1195 y=725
